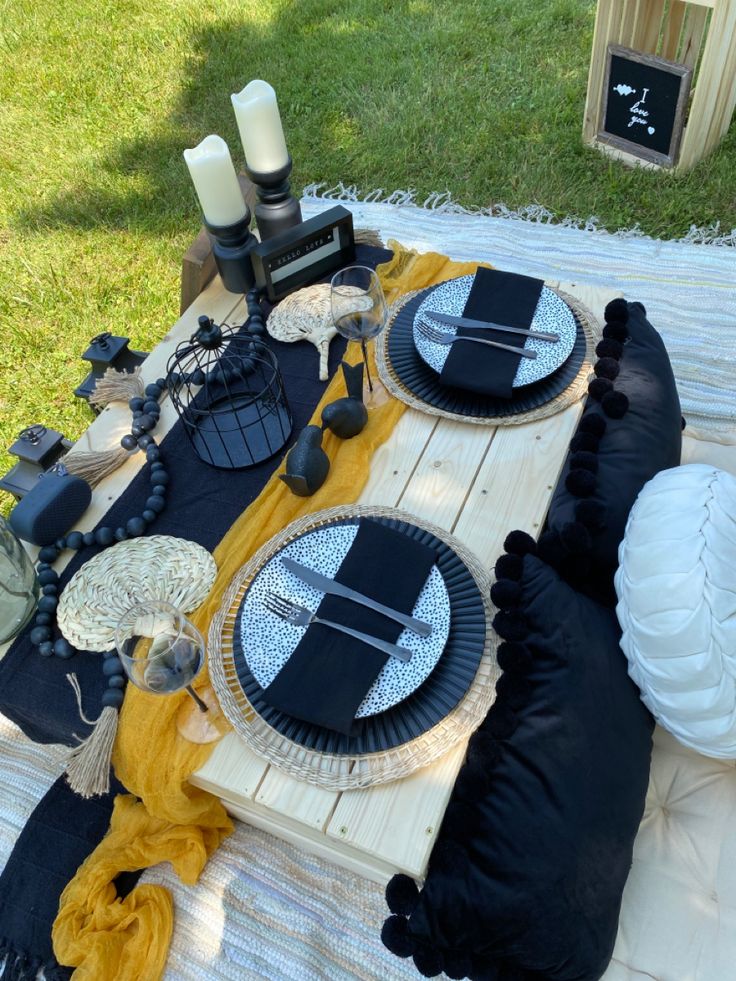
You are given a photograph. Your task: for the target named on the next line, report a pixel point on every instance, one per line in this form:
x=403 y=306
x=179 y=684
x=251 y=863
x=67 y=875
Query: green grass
x=482 y=99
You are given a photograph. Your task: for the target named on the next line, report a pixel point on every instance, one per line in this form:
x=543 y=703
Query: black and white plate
x=268 y=641
x=552 y=315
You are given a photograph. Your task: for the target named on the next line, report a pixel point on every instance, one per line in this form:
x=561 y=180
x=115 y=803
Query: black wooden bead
x=112 y=665
x=154 y=390
x=151 y=407
x=158 y=490
x=46 y=649
x=136 y=403
x=120 y=534
x=155 y=503
x=135 y=527
x=104 y=536
x=157 y=465
x=136 y=431
x=152 y=453
x=50 y=589
x=129 y=442
x=42 y=567
x=149 y=516
x=251 y=295
x=258 y=330
x=63 y=649
x=116 y=681
x=88 y=538
x=197 y=377
x=112 y=698
x=47 y=575
x=161 y=382
x=137 y=414
x=47 y=604
x=60 y=543
x=247 y=367
x=74 y=540
x=43 y=619
x=49 y=553
x=40 y=634
x=174 y=379
x=145 y=441
x=160 y=477
x=146 y=423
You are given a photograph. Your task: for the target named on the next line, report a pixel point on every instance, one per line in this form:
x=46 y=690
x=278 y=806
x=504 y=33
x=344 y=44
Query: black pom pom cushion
x=526 y=879
x=631 y=429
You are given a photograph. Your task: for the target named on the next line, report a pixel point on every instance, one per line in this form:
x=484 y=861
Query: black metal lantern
x=37 y=449
x=105 y=351
x=227 y=389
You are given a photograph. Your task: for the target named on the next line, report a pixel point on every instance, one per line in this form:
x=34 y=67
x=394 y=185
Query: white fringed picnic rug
x=264 y=909
x=688 y=286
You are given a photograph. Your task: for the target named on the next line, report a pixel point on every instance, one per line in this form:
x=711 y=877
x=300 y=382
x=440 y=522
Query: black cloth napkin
x=202 y=504
x=502 y=298
x=329 y=674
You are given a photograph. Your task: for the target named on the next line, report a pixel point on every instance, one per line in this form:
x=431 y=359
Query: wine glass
x=162 y=652
x=359 y=309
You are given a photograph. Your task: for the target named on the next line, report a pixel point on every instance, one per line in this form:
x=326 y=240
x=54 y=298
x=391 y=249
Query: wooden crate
x=698 y=33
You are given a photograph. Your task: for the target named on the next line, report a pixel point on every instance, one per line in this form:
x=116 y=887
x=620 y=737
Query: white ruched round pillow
x=676 y=586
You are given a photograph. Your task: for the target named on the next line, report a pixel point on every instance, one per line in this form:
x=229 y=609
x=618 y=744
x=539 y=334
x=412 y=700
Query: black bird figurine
x=347 y=417
x=307 y=464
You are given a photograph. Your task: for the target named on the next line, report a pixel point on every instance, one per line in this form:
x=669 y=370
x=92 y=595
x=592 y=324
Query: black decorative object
x=304 y=253
x=37 y=449
x=307 y=464
x=644 y=104
x=232 y=246
x=348 y=416
x=226 y=387
x=105 y=351
x=56 y=502
x=277 y=209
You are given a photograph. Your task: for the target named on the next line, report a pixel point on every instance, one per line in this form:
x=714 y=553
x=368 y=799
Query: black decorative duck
x=307 y=464
x=347 y=417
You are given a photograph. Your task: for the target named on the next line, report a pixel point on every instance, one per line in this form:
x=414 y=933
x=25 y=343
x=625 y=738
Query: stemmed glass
x=359 y=309
x=162 y=652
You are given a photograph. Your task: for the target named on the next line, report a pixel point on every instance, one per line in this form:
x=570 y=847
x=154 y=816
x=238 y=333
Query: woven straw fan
x=160 y=567
x=305 y=316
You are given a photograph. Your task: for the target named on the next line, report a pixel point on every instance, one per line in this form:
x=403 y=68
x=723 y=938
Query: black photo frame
x=643 y=104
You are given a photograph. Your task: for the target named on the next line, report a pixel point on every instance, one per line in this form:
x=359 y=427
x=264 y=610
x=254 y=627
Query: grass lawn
x=484 y=99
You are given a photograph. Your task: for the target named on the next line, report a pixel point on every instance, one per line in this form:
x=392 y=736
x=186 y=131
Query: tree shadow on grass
x=364 y=89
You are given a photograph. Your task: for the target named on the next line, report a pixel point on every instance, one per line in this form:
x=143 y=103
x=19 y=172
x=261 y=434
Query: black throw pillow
x=631 y=429
x=526 y=878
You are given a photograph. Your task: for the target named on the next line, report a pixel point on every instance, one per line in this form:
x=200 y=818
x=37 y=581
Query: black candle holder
x=227 y=389
x=231 y=247
x=277 y=208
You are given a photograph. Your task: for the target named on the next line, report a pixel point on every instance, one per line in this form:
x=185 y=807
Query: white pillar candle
x=215 y=181
x=259 y=122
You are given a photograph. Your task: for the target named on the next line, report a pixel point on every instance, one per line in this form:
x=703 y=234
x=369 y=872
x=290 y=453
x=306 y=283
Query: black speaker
x=50 y=508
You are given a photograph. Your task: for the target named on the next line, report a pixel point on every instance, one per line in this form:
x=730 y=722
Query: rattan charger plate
x=574 y=376
x=159 y=567
x=344 y=771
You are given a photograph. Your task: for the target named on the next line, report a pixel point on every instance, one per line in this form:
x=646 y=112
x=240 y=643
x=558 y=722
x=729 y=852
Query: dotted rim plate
x=552 y=315
x=268 y=641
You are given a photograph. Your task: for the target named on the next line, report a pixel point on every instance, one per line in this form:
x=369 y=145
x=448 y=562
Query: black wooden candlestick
x=277 y=209
x=231 y=247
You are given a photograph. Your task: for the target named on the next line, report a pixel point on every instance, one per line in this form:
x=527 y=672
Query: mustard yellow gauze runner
x=108 y=938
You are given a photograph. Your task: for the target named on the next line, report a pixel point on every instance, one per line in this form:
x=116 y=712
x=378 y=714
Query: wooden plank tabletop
x=478 y=483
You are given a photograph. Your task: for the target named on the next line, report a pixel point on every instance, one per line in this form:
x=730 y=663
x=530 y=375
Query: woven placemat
x=573 y=389
x=159 y=567
x=344 y=771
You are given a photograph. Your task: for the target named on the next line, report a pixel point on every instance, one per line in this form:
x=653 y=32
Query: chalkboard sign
x=643 y=104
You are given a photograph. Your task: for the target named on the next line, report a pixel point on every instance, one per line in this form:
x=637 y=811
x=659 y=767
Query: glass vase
x=18 y=584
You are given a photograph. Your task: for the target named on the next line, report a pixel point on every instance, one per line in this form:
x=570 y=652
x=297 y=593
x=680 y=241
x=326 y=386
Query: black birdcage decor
x=227 y=389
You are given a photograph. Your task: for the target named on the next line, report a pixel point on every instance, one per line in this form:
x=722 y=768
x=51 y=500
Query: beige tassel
x=368 y=236
x=88 y=765
x=117 y=386
x=96 y=465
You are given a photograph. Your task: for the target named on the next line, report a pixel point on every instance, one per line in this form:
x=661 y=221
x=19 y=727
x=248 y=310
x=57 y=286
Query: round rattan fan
x=160 y=567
